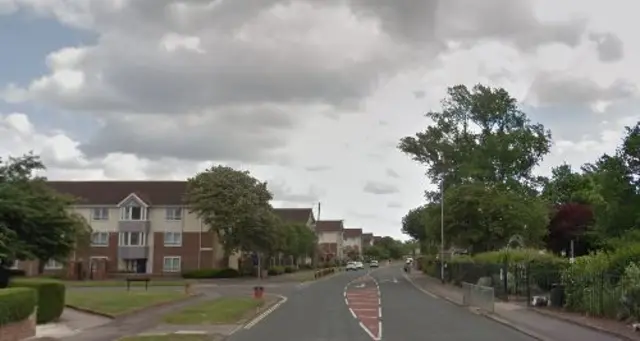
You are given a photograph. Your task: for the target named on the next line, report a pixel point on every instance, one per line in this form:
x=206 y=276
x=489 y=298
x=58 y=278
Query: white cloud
x=313 y=96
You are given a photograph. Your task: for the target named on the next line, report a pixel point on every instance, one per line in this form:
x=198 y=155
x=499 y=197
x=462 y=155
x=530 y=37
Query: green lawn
x=114 y=302
x=123 y=283
x=226 y=310
x=170 y=337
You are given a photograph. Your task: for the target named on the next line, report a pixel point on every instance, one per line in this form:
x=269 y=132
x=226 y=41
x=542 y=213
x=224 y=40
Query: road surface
x=381 y=306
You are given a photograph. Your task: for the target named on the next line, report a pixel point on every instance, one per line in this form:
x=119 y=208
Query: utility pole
x=315 y=251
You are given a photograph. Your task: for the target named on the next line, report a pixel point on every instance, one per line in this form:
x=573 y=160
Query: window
x=174 y=213
x=133 y=213
x=171 y=264
x=173 y=239
x=132 y=239
x=53 y=264
x=15 y=265
x=100 y=213
x=100 y=239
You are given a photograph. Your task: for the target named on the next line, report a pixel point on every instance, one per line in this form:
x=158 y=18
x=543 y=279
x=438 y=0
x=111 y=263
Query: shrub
x=290 y=269
x=16 y=304
x=50 y=296
x=211 y=273
x=276 y=270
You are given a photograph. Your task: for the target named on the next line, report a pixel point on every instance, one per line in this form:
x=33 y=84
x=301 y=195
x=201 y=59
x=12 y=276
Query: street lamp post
x=442 y=229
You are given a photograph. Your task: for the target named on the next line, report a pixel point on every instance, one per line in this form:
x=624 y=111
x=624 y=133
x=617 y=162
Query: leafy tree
x=352 y=252
x=567 y=186
x=35 y=222
x=236 y=206
x=298 y=240
x=570 y=222
x=393 y=248
x=480 y=135
x=414 y=223
x=375 y=252
x=482 y=218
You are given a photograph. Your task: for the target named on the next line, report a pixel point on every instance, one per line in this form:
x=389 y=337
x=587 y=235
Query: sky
x=310 y=96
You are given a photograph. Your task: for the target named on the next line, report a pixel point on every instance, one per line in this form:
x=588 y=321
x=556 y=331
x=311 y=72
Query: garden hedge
x=16 y=304
x=211 y=273
x=50 y=296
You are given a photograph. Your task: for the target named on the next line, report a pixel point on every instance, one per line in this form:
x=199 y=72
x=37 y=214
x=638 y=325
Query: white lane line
x=346 y=301
x=418 y=287
x=353 y=313
x=266 y=312
x=379 y=330
x=366 y=309
x=380 y=312
x=191 y=332
x=374 y=337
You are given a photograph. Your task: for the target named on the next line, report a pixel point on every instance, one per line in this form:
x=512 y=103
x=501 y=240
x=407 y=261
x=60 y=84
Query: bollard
x=258 y=292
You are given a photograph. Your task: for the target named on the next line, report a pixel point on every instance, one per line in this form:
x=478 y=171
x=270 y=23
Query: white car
x=373 y=264
x=351 y=266
x=359 y=265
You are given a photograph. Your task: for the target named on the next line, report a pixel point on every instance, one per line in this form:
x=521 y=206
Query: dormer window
x=133 y=208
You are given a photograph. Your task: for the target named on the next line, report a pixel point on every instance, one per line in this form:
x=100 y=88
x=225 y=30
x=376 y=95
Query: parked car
x=351 y=266
x=373 y=264
x=359 y=265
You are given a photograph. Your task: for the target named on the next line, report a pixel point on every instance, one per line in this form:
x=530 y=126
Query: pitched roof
x=352 y=233
x=329 y=226
x=161 y=193
x=296 y=215
x=158 y=193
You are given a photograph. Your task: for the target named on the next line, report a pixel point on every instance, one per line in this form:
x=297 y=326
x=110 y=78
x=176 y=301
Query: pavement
x=516 y=316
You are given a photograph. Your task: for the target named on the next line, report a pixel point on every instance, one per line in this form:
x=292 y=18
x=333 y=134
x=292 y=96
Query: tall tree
x=236 y=206
x=414 y=223
x=480 y=135
x=35 y=221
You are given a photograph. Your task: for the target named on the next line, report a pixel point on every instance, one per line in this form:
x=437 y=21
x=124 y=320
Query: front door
x=141 y=266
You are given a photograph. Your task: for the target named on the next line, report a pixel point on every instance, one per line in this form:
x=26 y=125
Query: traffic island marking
x=362 y=297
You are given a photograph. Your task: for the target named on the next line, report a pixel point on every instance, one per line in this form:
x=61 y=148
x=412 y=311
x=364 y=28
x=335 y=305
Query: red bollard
x=258 y=292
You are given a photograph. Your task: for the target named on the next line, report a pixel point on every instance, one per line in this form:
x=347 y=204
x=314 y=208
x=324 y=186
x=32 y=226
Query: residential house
x=297 y=215
x=376 y=239
x=367 y=239
x=330 y=239
x=144 y=227
x=352 y=241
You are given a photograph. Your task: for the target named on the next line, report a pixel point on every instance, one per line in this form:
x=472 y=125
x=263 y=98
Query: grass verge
x=226 y=310
x=123 y=283
x=118 y=302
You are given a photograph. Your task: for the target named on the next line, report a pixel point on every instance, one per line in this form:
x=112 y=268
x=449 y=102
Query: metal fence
x=478 y=296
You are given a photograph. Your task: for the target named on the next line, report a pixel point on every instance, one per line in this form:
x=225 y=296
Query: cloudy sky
x=310 y=95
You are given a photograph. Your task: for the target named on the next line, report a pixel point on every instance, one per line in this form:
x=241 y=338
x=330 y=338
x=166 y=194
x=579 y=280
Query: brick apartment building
x=143 y=227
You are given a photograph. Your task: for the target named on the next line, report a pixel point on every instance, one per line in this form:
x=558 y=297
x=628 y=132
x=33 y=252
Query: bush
x=50 y=296
x=290 y=269
x=276 y=270
x=16 y=304
x=211 y=273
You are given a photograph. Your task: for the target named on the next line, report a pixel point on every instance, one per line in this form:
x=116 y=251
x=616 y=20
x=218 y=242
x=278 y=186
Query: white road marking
x=419 y=288
x=375 y=338
x=265 y=313
x=191 y=332
x=379 y=305
x=380 y=312
x=353 y=313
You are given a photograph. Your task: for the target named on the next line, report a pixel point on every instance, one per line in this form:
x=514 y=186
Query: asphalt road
x=319 y=313
x=408 y=314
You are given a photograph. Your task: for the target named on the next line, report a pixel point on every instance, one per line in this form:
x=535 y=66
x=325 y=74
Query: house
x=144 y=227
x=376 y=239
x=367 y=239
x=297 y=216
x=330 y=239
x=352 y=241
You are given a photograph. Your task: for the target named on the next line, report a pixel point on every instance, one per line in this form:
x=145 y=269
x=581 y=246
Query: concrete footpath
x=540 y=326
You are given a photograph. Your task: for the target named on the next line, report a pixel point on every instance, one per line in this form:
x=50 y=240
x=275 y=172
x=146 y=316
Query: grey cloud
x=609 y=46
x=419 y=94
x=283 y=192
x=394 y=204
x=392 y=174
x=564 y=89
x=380 y=188
x=253 y=135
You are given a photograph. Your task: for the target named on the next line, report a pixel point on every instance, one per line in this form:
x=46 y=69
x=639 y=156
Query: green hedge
x=276 y=270
x=50 y=296
x=16 y=304
x=211 y=273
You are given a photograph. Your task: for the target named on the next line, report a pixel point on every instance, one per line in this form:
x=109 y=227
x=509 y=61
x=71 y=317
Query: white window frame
x=124 y=239
x=175 y=241
x=53 y=264
x=126 y=213
x=173 y=214
x=106 y=244
x=172 y=269
x=102 y=213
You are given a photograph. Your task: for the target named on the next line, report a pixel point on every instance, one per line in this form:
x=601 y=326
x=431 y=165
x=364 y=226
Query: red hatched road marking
x=363 y=299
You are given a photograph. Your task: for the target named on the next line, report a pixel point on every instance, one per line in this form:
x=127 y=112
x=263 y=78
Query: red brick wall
x=188 y=252
x=18 y=330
